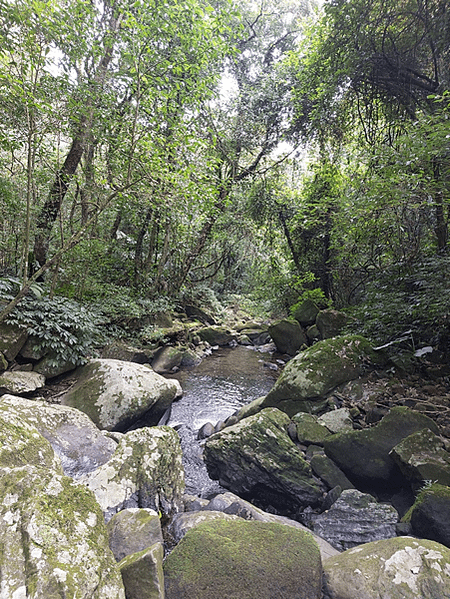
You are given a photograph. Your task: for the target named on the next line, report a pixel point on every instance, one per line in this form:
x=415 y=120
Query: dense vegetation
x=151 y=153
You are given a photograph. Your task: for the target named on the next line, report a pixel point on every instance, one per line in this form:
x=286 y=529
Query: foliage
x=59 y=327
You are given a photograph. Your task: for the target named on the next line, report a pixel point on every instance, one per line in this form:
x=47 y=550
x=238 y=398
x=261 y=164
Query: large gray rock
x=216 y=335
x=288 y=336
x=18 y=381
x=167 y=359
x=53 y=538
x=329 y=473
x=114 y=394
x=183 y=522
x=364 y=455
x=314 y=372
x=12 y=340
x=330 y=323
x=430 y=514
x=146 y=471
x=398 y=568
x=76 y=440
x=355 y=518
x=133 y=530
x=242 y=560
x=421 y=456
x=306 y=312
x=256 y=459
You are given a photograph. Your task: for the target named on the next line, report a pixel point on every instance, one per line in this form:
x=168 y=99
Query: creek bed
x=212 y=391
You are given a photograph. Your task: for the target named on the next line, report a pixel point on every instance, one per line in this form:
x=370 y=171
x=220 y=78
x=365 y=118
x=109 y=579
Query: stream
x=213 y=390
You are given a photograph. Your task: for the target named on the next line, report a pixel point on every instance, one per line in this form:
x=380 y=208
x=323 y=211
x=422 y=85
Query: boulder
x=306 y=312
x=167 y=359
x=330 y=323
x=288 y=336
x=114 y=394
x=329 y=473
x=12 y=339
x=182 y=522
x=76 y=440
x=421 y=456
x=242 y=560
x=355 y=518
x=145 y=471
x=17 y=382
x=397 y=568
x=216 y=335
x=430 y=514
x=256 y=459
x=52 y=366
x=229 y=503
x=314 y=372
x=337 y=421
x=142 y=573
x=133 y=530
x=53 y=537
x=309 y=430
x=199 y=314
x=364 y=455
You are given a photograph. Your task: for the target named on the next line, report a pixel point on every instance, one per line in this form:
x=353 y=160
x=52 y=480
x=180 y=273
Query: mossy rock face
x=330 y=323
x=288 y=336
x=422 y=456
x=168 y=358
x=317 y=370
x=430 y=514
x=12 y=339
x=244 y=560
x=114 y=394
x=306 y=312
x=364 y=455
x=256 y=459
x=146 y=471
x=53 y=537
x=397 y=568
x=216 y=335
x=133 y=530
x=309 y=429
x=142 y=573
x=79 y=444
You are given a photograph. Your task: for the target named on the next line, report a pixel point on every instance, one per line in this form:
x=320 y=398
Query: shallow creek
x=213 y=390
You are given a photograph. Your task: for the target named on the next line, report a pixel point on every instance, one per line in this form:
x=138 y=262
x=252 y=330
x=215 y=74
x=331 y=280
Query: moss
x=242 y=559
x=435 y=489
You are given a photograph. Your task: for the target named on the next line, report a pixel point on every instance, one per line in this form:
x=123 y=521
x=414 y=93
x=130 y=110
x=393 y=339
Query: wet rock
x=167 y=359
x=76 y=440
x=256 y=459
x=307 y=378
x=288 y=336
x=397 y=568
x=244 y=559
x=206 y=431
x=363 y=455
x=421 y=456
x=133 y=530
x=216 y=335
x=114 y=394
x=355 y=518
x=145 y=471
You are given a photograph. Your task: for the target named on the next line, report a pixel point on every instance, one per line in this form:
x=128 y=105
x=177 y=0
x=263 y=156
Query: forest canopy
x=156 y=151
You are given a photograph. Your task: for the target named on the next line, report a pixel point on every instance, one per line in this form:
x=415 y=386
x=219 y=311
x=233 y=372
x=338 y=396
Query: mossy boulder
x=18 y=381
x=142 y=573
x=329 y=473
x=12 y=339
x=167 y=359
x=430 y=514
x=243 y=560
x=364 y=455
x=397 y=568
x=314 y=372
x=133 y=530
x=288 y=336
x=309 y=429
x=216 y=335
x=53 y=538
x=114 y=393
x=76 y=440
x=256 y=459
x=421 y=456
x=306 y=312
x=146 y=471
x=330 y=323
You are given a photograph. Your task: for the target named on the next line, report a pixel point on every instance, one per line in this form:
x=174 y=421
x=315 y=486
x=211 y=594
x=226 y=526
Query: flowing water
x=213 y=390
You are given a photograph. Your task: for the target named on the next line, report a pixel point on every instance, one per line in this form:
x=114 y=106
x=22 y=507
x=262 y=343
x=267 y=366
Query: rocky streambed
x=314 y=476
